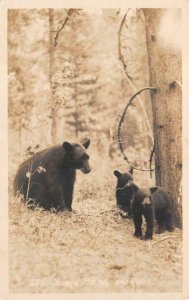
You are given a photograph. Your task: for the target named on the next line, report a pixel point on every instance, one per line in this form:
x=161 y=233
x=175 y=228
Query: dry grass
x=92 y=250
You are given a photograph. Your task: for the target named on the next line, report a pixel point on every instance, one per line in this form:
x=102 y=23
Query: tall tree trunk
x=51 y=71
x=165 y=65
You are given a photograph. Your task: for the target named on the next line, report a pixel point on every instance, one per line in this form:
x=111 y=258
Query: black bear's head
x=143 y=195
x=124 y=179
x=77 y=157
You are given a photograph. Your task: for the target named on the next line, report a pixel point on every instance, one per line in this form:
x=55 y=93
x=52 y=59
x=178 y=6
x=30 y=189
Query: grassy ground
x=91 y=250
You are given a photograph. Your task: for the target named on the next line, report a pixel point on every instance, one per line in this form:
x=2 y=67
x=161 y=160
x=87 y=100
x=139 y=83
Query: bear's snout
x=85 y=168
x=85 y=171
x=129 y=183
x=146 y=201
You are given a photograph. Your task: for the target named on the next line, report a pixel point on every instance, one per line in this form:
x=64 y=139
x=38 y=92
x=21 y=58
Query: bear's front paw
x=160 y=230
x=61 y=208
x=138 y=234
x=148 y=237
x=73 y=211
x=129 y=216
x=170 y=228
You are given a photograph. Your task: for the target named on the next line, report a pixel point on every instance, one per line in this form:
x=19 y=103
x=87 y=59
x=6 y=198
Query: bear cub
x=47 y=178
x=153 y=203
x=124 y=191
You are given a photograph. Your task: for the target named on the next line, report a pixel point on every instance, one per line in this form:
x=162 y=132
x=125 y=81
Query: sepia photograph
x=95 y=154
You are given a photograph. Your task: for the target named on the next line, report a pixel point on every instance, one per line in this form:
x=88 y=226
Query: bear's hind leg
x=37 y=196
x=160 y=217
x=68 y=194
x=169 y=221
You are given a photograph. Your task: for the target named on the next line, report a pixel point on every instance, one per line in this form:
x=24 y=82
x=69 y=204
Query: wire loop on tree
x=120 y=126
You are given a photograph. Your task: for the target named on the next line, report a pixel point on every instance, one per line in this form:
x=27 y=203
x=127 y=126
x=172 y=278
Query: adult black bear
x=47 y=178
x=124 y=191
x=152 y=203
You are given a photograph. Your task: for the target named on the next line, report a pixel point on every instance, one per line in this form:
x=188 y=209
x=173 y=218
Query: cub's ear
x=131 y=170
x=135 y=188
x=153 y=189
x=86 y=143
x=67 y=146
x=117 y=173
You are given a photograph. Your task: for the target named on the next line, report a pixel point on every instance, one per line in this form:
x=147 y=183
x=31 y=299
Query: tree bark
x=165 y=64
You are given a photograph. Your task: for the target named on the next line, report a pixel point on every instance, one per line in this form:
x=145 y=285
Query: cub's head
x=124 y=179
x=76 y=156
x=143 y=196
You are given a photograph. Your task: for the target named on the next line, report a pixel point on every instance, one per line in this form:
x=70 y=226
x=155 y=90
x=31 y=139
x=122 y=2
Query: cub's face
x=124 y=179
x=77 y=156
x=143 y=196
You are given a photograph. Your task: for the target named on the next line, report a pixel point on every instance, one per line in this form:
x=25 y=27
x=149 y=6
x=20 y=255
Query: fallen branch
x=165 y=238
x=97 y=215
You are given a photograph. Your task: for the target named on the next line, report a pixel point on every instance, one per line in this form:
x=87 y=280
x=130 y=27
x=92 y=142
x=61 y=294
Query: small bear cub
x=124 y=191
x=152 y=203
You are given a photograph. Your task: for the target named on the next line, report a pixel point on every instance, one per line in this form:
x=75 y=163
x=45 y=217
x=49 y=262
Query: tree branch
x=129 y=78
x=61 y=28
x=121 y=58
x=120 y=126
x=151 y=156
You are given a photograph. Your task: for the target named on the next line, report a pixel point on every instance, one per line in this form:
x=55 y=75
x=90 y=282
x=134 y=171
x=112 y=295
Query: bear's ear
x=86 y=143
x=135 y=187
x=117 y=173
x=67 y=146
x=131 y=170
x=153 y=189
